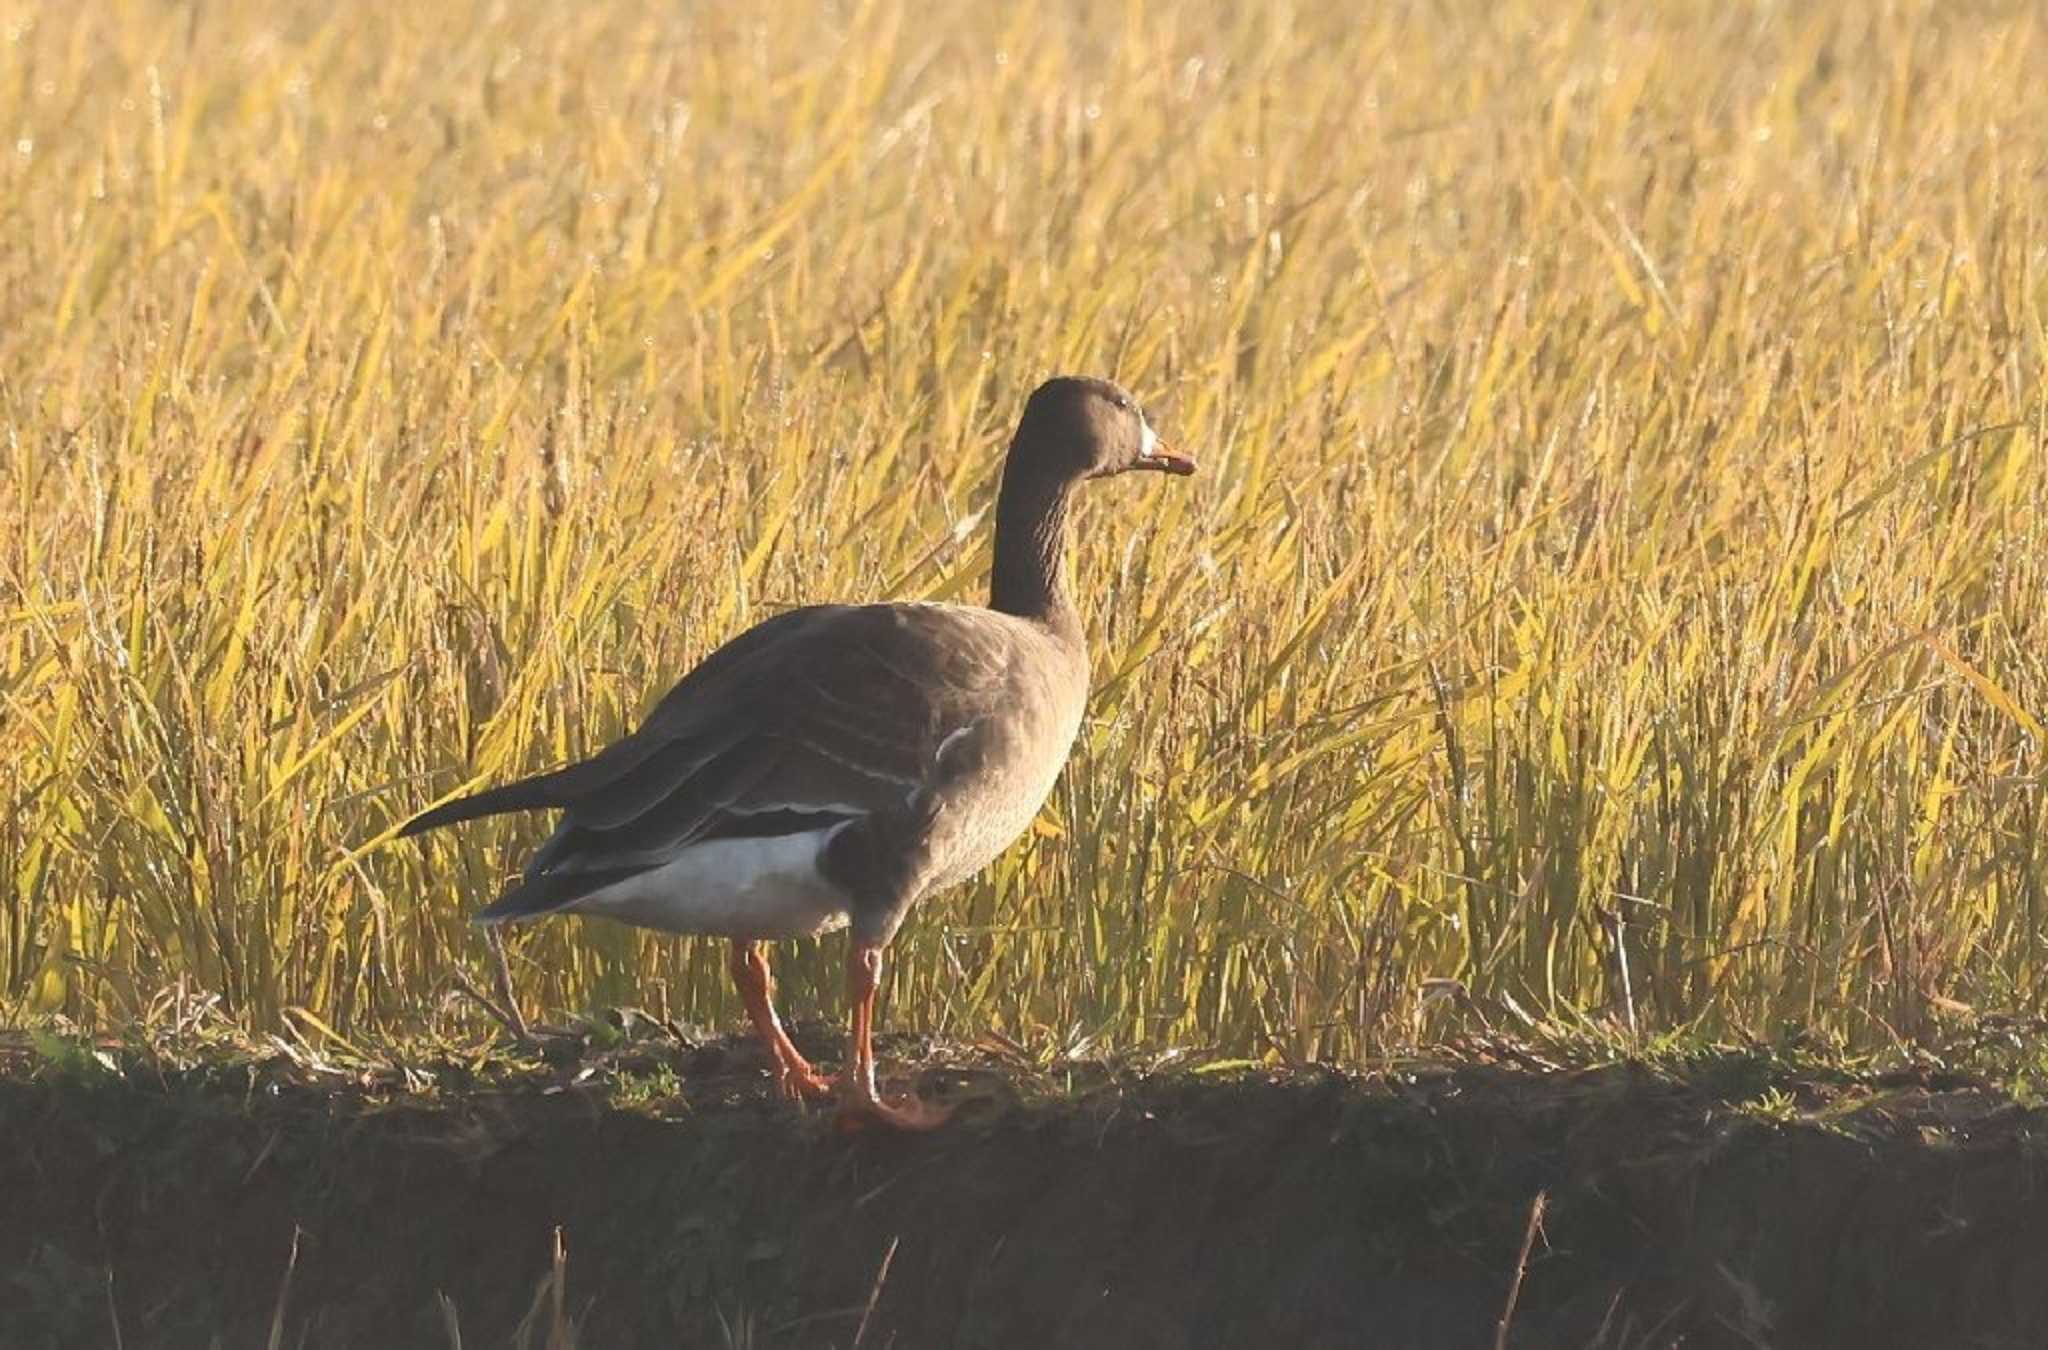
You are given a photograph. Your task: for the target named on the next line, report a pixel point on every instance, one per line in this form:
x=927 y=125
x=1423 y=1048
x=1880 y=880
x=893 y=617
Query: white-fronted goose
x=837 y=763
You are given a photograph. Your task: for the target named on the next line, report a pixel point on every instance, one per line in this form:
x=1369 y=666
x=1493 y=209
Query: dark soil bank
x=1187 y=1210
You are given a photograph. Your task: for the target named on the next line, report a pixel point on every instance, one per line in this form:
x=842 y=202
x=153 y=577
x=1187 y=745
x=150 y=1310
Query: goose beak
x=1163 y=458
x=1156 y=454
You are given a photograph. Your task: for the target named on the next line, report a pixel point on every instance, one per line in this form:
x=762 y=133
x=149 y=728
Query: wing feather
x=840 y=716
x=652 y=782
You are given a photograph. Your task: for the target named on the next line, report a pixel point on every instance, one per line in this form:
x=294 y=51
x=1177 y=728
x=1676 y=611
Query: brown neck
x=1030 y=576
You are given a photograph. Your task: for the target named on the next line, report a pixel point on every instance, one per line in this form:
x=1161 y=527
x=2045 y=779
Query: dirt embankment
x=1712 y=1207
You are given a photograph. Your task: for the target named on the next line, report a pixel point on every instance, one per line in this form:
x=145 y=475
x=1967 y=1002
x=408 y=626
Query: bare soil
x=1724 y=1201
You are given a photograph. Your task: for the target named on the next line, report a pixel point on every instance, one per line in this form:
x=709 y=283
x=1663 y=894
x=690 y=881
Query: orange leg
x=858 y=1099
x=793 y=1074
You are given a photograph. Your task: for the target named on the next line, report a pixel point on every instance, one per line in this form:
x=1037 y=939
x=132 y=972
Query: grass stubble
x=1612 y=593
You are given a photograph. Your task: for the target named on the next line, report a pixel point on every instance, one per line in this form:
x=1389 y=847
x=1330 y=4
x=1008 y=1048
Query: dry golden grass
x=1622 y=491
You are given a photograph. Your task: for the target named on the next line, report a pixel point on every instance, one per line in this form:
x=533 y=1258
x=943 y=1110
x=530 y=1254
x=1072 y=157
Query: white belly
x=765 y=889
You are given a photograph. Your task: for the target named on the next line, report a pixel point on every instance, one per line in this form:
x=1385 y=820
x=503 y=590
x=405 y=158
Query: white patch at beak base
x=1148 y=439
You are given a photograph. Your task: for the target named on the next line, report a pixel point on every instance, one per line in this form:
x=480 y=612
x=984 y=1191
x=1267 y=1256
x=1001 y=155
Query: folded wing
x=816 y=717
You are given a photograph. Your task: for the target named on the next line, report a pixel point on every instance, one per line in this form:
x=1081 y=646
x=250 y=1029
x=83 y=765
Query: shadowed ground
x=1725 y=1201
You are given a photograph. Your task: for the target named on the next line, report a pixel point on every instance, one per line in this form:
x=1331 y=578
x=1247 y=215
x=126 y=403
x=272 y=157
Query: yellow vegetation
x=1622 y=494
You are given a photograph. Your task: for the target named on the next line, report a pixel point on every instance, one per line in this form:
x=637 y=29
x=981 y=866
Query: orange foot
x=859 y=1110
x=799 y=1082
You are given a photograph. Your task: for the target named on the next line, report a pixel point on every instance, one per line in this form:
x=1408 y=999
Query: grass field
x=1615 y=584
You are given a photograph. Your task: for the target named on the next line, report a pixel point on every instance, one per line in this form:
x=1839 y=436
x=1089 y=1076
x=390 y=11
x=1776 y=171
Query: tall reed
x=1621 y=531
